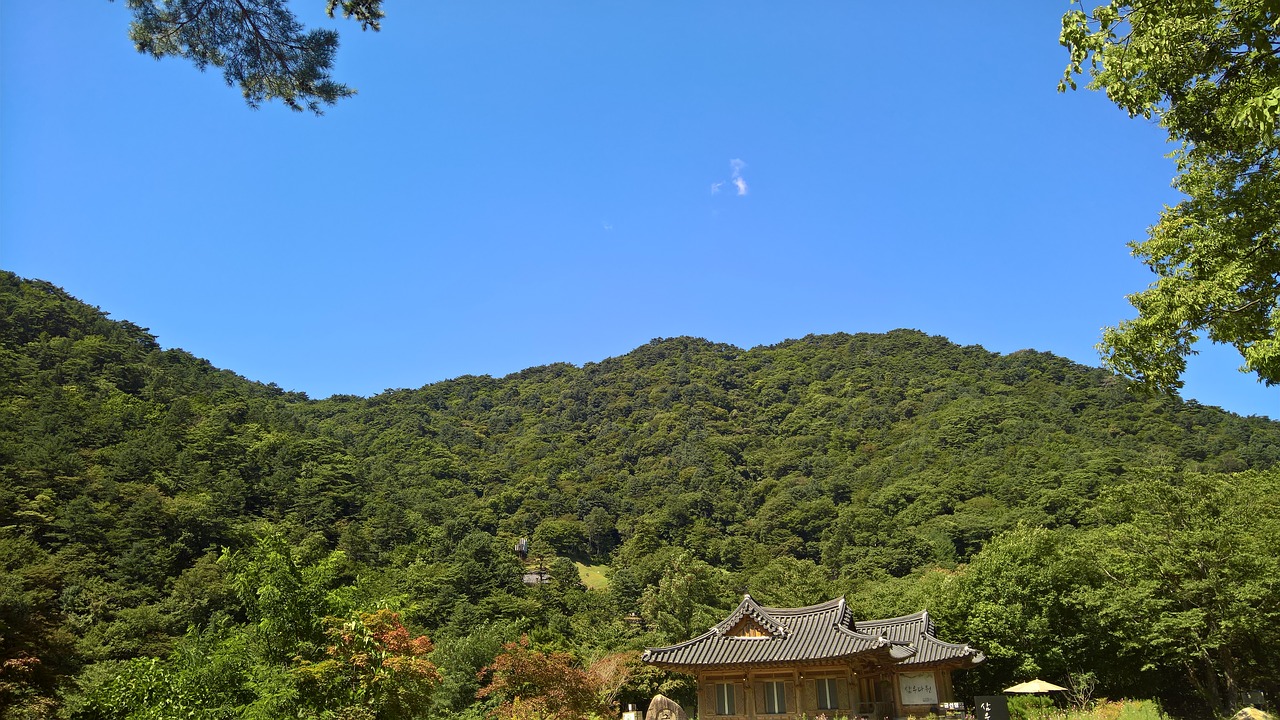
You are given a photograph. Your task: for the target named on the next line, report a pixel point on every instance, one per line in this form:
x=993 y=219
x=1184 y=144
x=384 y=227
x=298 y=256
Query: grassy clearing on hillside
x=595 y=577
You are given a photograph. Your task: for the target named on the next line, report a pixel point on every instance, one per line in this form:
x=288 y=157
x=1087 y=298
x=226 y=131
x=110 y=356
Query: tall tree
x=259 y=44
x=1192 y=583
x=1209 y=72
x=1019 y=600
x=685 y=600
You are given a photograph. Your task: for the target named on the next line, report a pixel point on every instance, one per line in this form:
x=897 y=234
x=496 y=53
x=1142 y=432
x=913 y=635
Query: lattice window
x=775 y=698
x=828 y=691
x=725 y=693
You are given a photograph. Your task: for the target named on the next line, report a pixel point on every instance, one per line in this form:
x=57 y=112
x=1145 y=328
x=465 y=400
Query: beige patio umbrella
x=1034 y=686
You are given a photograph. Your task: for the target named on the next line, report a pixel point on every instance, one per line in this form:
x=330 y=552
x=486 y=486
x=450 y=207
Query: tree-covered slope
x=121 y=467
x=151 y=505
x=792 y=448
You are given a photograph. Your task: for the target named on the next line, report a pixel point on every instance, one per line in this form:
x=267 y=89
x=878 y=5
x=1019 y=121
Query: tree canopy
x=1209 y=72
x=260 y=45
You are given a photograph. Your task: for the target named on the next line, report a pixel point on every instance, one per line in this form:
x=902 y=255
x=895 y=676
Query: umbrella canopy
x=1034 y=686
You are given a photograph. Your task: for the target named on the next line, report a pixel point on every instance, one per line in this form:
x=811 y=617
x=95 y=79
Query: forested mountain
x=175 y=539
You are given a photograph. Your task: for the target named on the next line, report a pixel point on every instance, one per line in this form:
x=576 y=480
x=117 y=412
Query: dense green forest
x=176 y=540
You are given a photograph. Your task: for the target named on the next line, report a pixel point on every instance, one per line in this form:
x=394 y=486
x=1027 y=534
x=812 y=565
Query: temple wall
x=817 y=690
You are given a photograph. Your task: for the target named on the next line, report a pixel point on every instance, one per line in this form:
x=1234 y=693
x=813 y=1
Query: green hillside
x=174 y=535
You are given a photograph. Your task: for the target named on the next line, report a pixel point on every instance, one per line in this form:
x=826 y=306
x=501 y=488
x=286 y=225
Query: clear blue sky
x=519 y=183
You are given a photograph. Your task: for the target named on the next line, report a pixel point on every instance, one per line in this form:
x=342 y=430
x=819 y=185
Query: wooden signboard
x=917 y=688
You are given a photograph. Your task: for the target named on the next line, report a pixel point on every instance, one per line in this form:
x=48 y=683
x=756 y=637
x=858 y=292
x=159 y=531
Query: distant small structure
x=522 y=548
x=536 y=577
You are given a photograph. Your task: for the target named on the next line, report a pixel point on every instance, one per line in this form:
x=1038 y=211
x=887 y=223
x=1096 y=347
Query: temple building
x=776 y=663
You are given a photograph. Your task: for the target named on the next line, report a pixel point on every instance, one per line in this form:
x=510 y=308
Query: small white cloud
x=607 y=226
x=737 y=180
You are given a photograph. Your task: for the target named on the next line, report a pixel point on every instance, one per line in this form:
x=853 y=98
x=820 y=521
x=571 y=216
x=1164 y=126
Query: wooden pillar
x=798 y=684
x=945 y=692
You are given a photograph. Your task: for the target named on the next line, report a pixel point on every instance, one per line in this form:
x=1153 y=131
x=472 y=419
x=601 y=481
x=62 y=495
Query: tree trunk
x=1209 y=684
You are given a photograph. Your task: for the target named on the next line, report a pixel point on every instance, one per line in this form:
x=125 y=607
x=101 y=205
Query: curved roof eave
x=888 y=651
x=678 y=646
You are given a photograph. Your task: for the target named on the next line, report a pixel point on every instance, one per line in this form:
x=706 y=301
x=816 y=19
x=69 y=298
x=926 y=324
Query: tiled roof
x=918 y=630
x=818 y=632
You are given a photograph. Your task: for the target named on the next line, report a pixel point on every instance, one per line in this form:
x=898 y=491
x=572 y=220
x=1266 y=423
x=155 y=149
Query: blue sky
x=519 y=183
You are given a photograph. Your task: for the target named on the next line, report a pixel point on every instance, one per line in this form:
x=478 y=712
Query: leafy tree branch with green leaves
x=1209 y=72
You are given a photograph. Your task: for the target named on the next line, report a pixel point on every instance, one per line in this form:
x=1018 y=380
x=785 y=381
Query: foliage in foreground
x=287 y=660
x=526 y=683
x=1104 y=710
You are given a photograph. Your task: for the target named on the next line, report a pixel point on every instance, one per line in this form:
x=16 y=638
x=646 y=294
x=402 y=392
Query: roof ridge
x=825 y=605
x=918 y=615
x=754 y=610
